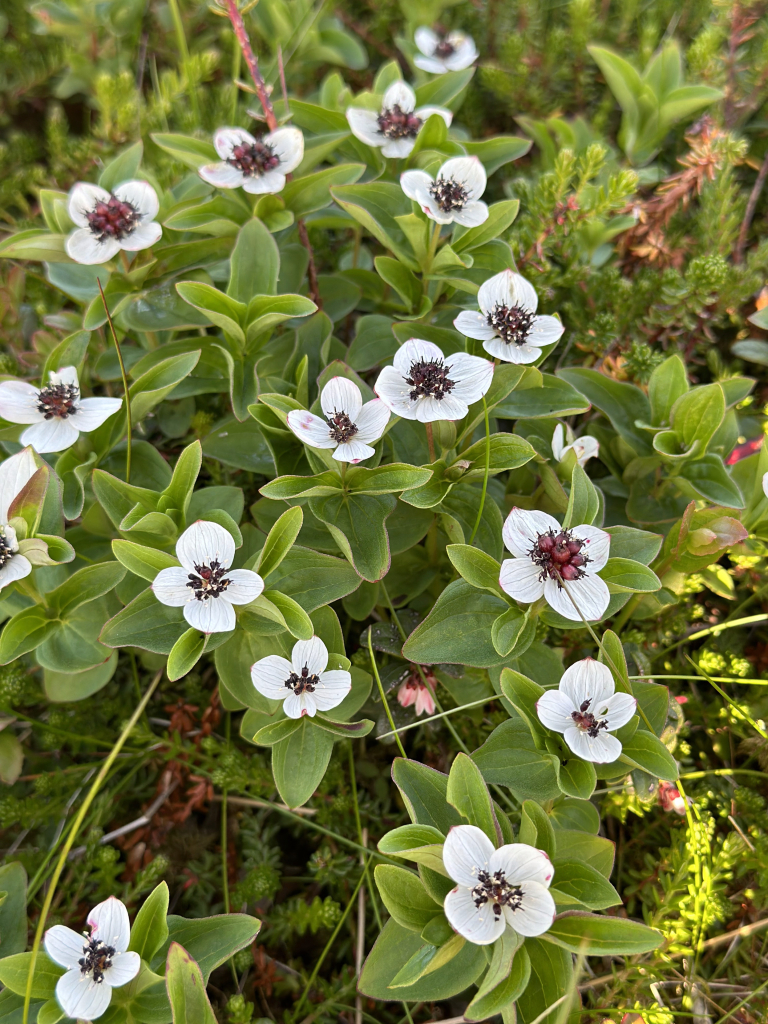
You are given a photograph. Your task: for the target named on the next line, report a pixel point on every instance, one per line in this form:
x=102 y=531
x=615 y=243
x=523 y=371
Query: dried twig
x=241 y=801
x=754 y=195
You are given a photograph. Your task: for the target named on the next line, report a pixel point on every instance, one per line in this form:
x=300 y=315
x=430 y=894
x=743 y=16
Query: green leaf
x=223 y=311
x=500 y=216
x=11 y=757
x=595 y=935
x=513 y=631
x=375 y=205
x=583 y=502
x=63 y=687
x=536 y=828
x=554 y=398
x=396 y=476
x=712 y=480
x=145 y=623
x=420 y=843
x=85 y=585
x=624 y=575
x=187 y=150
x=356 y=522
x=477 y=568
x=572 y=844
x=442 y=90
x=254 y=265
x=15 y=969
x=186 y=653
x=550 y=979
x=399 y=277
x=157 y=383
x=668 y=382
x=34 y=245
x=576 y=778
x=623 y=404
x=510 y=757
x=457 y=629
x=506 y=451
x=123 y=167
x=313 y=579
x=506 y=978
x=405 y=897
x=280 y=540
x=186 y=988
x=150 y=930
x=646 y=751
x=295 y=618
x=697 y=414
x=13 y=908
x=211 y=941
x=300 y=761
x=25 y=631
x=585 y=884
x=424 y=792
x=310 y=193
x=468 y=793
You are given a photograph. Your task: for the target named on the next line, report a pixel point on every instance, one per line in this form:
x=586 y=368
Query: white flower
x=57 y=412
x=348 y=427
x=584 y=448
x=765 y=484
x=15 y=474
x=497 y=888
x=452 y=52
x=586 y=709
x=204 y=585
x=425 y=385
x=396 y=127
x=255 y=164
x=302 y=683
x=507 y=323
x=108 y=222
x=453 y=195
x=96 y=964
x=556 y=564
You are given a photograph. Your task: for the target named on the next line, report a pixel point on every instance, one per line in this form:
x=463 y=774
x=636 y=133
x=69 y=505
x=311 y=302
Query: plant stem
x=434 y=718
x=181 y=42
x=238 y=25
x=485 y=478
x=384 y=696
x=430 y=441
x=126 y=399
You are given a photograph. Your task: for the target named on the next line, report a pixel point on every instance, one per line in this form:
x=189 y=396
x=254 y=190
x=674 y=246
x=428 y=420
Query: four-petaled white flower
x=584 y=448
x=256 y=165
x=559 y=565
x=204 y=585
x=95 y=964
x=57 y=412
x=452 y=52
x=349 y=426
x=395 y=128
x=110 y=221
x=452 y=196
x=302 y=683
x=15 y=474
x=507 y=323
x=425 y=385
x=497 y=888
x=586 y=709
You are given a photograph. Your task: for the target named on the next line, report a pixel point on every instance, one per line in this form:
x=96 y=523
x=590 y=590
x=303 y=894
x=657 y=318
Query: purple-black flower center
x=559 y=556
x=511 y=323
x=586 y=721
x=495 y=889
x=210 y=580
x=304 y=683
x=254 y=158
x=395 y=123
x=58 y=400
x=6 y=550
x=429 y=379
x=96 y=958
x=444 y=49
x=341 y=427
x=113 y=219
x=449 y=194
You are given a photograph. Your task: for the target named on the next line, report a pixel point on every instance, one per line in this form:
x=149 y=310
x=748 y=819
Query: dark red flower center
x=113 y=219
x=559 y=556
x=444 y=49
x=511 y=323
x=254 y=158
x=6 y=551
x=395 y=123
x=341 y=427
x=304 y=683
x=496 y=889
x=58 y=400
x=210 y=580
x=97 y=958
x=449 y=194
x=586 y=721
x=429 y=379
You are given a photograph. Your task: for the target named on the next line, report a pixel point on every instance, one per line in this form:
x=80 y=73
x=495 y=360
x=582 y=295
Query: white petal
x=109 y=923
x=222 y=175
x=16 y=568
x=225 y=140
x=125 y=967
x=297 y=706
x=415 y=350
x=519 y=578
x=271 y=182
x=511 y=352
x=170 y=587
x=142 y=237
x=18 y=402
x=472 y=375
x=464 y=51
x=467 y=851
x=471 y=215
x=332 y=688
x=545 y=330
x=81 y=997
x=310 y=654
x=15 y=474
x=372 y=421
x=92 y=412
x=617 y=710
x=536 y=912
x=216 y=615
x=477 y=924
x=474 y=325
x=429 y=410
x=523 y=293
x=426 y=112
x=269 y=675
x=416 y=184
x=64 y=946
x=523 y=528
x=469 y=171
x=83 y=198
x=765 y=484
x=203 y=542
x=587 y=680
x=433 y=211
x=586 y=448
x=244 y=586
x=426 y=40
x=601 y=749
x=430 y=64
x=84 y=247
x=65 y=375
x=288 y=145
x=555 y=710
x=590 y=595
x=341 y=395
x=558 y=442
x=597 y=545
x=399 y=94
x=52 y=435
x=522 y=863
x=353 y=451
x=364 y=125
x=397 y=149
x=310 y=429
x=394 y=391
x=496 y=291
x=142 y=198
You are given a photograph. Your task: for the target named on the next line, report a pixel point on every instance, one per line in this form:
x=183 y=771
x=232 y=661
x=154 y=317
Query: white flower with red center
x=303 y=684
x=56 y=412
x=425 y=385
x=556 y=564
x=257 y=165
x=584 y=448
x=110 y=221
x=395 y=128
x=586 y=709
x=496 y=888
x=204 y=585
x=453 y=196
x=414 y=691
x=507 y=323
x=15 y=474
x=440 y=53
x=95 y=963
x=349 y=426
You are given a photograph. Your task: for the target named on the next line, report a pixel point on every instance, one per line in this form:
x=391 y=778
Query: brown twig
x=749 y=213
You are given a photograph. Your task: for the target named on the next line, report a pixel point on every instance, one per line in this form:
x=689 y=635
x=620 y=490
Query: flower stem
x=240 y=31
x=485 y=478
x=430 y=441
x=384 y=696
x=127 y=400
x=92 y=793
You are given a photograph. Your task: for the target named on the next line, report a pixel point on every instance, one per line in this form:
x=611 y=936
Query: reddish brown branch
x=750 y=211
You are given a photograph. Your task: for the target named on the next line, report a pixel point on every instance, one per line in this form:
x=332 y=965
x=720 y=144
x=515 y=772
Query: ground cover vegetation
x=383 y=511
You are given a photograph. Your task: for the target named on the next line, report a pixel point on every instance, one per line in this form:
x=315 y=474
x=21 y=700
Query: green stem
x=434 y=718
x=92 y=793
x=485 y=478
x=712 y=631
x=126 y=398
x=383 y=695
x=181 y=42
x=737 y=710
x=627 y=612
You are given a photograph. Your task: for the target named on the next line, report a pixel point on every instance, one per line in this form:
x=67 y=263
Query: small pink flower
x=670 y=798
x=413 y=691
